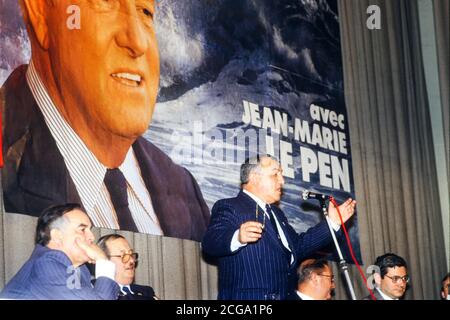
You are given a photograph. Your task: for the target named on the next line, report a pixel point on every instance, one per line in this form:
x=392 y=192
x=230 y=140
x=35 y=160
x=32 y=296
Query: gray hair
x=310 y=266
x=60 y=223
x=252 y=165
x=53 y=218
x=102 y=242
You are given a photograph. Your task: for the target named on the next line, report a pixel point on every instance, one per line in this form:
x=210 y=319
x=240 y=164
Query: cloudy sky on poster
x=240 y=77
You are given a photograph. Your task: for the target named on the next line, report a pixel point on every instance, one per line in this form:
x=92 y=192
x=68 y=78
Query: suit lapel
x=271 y=233
x=165 y=196
x=284 y=227
x=34 y=168
x=269 y=230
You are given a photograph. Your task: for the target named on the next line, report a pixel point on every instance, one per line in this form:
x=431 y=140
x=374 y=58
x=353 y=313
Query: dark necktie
x=272 y=220
x=127 y=291
x=117 y=187
x=274 y=225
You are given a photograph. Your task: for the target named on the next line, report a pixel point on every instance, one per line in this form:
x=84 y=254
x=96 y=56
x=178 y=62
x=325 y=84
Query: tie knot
x=126 y=290
x=268 y=209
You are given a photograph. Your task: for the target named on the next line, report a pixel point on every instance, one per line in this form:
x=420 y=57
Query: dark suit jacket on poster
x=261 y=270
x=49 y=275
x=139 y=293
x=35 y=175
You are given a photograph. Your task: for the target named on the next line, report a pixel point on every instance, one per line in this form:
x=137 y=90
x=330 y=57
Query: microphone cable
x=351 y=248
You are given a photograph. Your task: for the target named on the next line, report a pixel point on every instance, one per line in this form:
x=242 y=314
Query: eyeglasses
x=396 y=279
x=126 y=256
x=327 y=275
x=257 y=215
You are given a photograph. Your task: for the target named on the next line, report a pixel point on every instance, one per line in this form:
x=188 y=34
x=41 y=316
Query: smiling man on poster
x=75 y=115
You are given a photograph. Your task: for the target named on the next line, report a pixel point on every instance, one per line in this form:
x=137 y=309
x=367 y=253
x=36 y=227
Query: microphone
x=312 y=195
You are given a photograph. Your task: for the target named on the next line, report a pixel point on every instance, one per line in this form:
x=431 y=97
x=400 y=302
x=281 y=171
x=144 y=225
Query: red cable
x=351 y=248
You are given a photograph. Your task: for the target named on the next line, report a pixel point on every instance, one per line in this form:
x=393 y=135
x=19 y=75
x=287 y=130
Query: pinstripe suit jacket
x=35 y=175
x=261 y=270
x=49 y=275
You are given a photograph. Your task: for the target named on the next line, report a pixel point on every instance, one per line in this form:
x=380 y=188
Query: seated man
x=391 y=279
x=261 y=265
x=315 y=280
x=85 y=111
x=445 y=289
x=56 y=268
x=120 y=253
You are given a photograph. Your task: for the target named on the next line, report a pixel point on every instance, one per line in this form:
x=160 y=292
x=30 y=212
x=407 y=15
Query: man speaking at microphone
x=257 y=250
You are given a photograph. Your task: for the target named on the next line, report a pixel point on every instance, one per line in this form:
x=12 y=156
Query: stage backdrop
x=240 y=78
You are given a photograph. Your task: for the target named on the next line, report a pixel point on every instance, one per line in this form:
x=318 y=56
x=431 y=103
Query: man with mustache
x=73 y=120
x=125 y=259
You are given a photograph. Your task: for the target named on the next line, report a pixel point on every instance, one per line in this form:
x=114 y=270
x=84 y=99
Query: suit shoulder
x=53 y=256
x=17 y=104
x=144 y=290
x=141 y=287
x=15 y=79
x=227 y=202
x=159 y=159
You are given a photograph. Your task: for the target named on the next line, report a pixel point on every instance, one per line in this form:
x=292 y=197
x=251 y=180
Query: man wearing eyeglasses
x=392 y=278
x=122 y=255
x=315 y=280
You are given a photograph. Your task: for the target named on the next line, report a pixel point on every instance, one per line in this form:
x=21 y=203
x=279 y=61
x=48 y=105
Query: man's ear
x=35 y=11
x=56 y=236
x=314 y=279
x=377 y=278
x=253 y=177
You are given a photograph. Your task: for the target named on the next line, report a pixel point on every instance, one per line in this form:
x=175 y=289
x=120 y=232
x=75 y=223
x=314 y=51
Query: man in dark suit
x=315 y=280
x=257 y=249
x=56 y=268
x=74 y=117
x=391 y=277
x=123 y=256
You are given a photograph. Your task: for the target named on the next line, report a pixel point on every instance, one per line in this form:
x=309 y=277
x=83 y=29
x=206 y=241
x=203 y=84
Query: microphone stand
x=342 y=263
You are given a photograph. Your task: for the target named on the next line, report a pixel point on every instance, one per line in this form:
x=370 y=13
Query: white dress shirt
x=236 y=244
x=385 y=297
x=123 y=292
x=262 y=205
x=304 y=296
x=88 y=173
x=105 y=268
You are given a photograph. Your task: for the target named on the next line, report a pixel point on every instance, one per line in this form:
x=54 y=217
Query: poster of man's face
x=230 y=79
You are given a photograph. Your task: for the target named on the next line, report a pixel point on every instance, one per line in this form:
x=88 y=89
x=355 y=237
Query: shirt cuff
x=105 y=268
x=335 y=226
x=235 y=244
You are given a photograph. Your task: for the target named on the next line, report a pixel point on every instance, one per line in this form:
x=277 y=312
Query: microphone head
x=305 y=194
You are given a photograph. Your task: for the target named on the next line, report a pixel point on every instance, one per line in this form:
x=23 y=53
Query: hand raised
x=347 y=209
x=93 y=251
x=249 y=232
